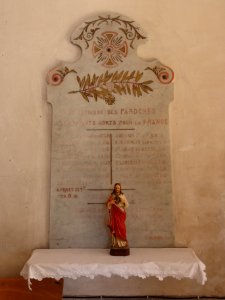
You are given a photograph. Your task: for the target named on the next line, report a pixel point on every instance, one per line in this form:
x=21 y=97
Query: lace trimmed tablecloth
x=142 y=262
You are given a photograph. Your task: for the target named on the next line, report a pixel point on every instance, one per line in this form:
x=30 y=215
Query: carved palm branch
x=106 y=85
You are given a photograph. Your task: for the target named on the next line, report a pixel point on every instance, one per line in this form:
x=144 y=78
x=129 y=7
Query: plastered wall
x=186 y=35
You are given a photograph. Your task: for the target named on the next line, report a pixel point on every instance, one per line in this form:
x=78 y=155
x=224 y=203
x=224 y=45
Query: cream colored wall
x=187 y=36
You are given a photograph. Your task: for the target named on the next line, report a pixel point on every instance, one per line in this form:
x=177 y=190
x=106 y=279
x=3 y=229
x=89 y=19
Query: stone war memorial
x=111 y=168
x=110 y=123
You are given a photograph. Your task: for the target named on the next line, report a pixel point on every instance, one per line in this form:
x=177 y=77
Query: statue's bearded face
x=117 y=189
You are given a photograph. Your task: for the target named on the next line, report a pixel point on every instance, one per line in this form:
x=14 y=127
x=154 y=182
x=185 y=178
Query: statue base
x=120 y=251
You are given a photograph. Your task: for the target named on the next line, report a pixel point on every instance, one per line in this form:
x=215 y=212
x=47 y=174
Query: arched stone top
x=109 y=67
x=109 y=38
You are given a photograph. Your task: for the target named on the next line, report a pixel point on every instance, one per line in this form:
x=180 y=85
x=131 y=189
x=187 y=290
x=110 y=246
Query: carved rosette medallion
x=110 y=49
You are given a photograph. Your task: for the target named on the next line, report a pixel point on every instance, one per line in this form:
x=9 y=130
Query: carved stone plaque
x=110 y=124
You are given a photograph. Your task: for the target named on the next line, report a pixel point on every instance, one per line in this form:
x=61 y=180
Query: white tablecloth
x=143 y=262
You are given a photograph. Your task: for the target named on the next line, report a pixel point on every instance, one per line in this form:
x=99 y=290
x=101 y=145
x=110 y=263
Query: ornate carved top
x=108 y=38
x=108 y=43
x=93 y=28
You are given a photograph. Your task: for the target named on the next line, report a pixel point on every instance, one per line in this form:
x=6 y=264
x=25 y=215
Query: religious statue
x=116 y=205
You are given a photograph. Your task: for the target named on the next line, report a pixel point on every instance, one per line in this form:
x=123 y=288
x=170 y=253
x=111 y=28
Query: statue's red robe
x=116 y=224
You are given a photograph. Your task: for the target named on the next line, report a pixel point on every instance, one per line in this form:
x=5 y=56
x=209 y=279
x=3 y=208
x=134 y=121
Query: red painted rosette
x=54 y=77
x=165 y=74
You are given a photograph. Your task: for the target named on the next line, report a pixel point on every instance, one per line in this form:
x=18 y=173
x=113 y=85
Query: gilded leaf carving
x=107 y=85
